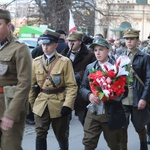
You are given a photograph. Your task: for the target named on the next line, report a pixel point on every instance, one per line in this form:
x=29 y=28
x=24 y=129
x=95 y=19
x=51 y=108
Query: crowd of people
x=54 y=80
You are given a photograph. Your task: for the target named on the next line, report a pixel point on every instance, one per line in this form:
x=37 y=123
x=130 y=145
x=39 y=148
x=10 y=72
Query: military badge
x=3 y=69
x=57 y=79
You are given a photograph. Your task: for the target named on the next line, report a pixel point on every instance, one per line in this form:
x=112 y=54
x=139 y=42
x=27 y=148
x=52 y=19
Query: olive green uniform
x=15 y=69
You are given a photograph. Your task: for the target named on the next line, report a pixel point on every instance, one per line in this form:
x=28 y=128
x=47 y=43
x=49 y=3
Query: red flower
x=118 y=86
x=111 y=74
x=107 y=84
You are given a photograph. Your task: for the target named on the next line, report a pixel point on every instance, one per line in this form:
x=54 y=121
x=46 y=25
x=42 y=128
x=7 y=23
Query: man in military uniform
x=80 y=56
x=135 y=103
x=55 y=77
x=145 y=46
x=15 y=83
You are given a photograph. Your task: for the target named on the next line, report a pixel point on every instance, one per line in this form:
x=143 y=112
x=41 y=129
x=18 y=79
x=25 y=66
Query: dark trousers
x=30 y=115
x=139 y=119
x=59 y=126
x=93 y=128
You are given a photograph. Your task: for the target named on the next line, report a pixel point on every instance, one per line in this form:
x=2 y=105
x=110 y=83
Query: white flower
x=125 y=60
x=106 y=92
x=122 y=72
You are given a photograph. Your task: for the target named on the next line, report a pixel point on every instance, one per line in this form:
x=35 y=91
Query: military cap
x=99 y=41
x=49 y=37
x=131 y=33
x=75 y=36
x=5 y=14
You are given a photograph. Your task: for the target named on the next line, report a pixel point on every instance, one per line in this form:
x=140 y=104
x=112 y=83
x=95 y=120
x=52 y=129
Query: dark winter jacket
x=61 y=45
x=37 y=51
x=82 y=59
x=141 y=65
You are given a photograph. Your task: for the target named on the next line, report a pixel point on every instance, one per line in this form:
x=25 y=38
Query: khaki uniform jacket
x=15 y=69
x=63 y=76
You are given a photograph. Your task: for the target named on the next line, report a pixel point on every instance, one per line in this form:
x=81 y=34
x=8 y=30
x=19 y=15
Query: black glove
x=65 y=111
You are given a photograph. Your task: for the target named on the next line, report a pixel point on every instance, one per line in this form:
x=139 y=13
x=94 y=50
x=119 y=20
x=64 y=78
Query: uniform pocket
x=40 y=75
x=4 y=64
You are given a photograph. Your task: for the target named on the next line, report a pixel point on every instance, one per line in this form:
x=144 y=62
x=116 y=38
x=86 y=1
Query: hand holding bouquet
x=109 y=82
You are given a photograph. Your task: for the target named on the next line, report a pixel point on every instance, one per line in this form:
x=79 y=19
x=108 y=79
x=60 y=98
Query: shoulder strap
x=41 y=62
x=135 y=74
x=48 y=72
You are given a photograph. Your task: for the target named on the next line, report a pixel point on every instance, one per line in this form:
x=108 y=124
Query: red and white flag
x=72 y=26
x=23 y=19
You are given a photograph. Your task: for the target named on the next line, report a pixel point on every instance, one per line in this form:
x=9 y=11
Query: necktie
x=49 y=60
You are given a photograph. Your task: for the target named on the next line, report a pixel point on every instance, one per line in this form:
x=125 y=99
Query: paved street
x=75 y=141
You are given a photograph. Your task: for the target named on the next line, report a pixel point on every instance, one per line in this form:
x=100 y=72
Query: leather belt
x=1 y=90
x=53 y=91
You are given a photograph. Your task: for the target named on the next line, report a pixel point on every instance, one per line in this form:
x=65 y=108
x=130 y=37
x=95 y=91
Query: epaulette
x=63 y=58
x=37 y=58
x=20 y=41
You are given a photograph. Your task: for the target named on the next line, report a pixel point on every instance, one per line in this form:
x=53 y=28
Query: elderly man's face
x=76 y=45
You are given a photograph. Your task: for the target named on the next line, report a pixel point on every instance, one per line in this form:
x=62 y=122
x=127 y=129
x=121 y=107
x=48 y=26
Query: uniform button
x=46 y=85
x=47 y=98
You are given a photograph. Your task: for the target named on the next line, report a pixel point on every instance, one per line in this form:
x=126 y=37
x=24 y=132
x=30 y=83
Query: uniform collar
x=6 y=41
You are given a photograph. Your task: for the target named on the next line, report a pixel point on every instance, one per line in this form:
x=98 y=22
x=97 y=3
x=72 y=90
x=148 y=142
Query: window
x=141 y=1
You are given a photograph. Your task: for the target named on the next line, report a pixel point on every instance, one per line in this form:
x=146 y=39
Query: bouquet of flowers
x=109 y=83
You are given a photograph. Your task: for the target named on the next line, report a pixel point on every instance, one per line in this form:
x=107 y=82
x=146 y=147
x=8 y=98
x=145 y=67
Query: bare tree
x=4 y=6
x=55 y=13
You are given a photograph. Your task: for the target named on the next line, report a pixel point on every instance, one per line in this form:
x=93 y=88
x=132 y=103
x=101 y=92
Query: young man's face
x=49 y=48
x=101 y=53
x=131 y=43
x=4 y=29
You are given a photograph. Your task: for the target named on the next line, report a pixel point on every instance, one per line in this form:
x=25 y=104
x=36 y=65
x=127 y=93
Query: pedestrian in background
x=146 y=49
x=135 y=105
x=80 y=56
x=62 y=41
x=15 y=83
x=96 y=123
x=54 y=75
x=37 y=51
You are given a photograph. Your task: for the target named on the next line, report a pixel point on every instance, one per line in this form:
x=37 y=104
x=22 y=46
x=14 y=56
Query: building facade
x=118 y=15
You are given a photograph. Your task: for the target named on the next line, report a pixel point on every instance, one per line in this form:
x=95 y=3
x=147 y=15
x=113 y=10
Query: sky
x=8 y=1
